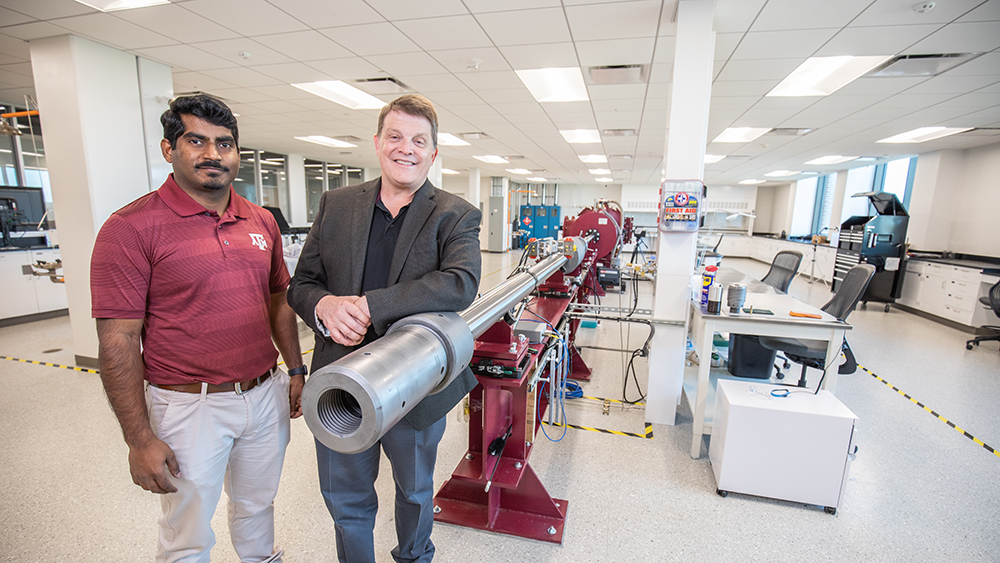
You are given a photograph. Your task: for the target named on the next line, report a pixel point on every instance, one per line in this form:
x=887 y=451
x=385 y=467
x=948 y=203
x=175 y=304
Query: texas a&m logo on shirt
x=258 y=240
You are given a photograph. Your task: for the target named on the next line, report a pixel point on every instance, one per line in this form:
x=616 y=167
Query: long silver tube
x=351 y=403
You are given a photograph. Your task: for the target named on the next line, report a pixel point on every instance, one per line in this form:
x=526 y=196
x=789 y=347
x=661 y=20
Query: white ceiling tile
x=6 y=59
x=619 y=119
x=501 y=95
x=183 y=25
x=983 y=64
x=10 y=17
x=758 y=69
x=631 y=92
x=19 y=68
x=115 y=31
x=244 y=77
x=241 y=95
x=454 y=98
x=185 y=56
x=544 y=25
x=987 y=11
x=900 y=12
x=449 y=32
x=725 y=44
x=230 y=49
x=433 y=83
x=742 y=103
x=879 y=85
x=50 y=9
x=329 y=14
x=743 y=87
x=795 y=14
x=304 y=45
x=974 y=37
x=484 y=6
x=407 y=9
x=491 y=80
x=551 y=55
x=252 y=17
x=34 y=30
x=490 y=59
x=661 y=73
x=407 y=63
x=347 y=68
x=976 y=100
x=814 y=117
x=292 y=73
x=736 y=15
x=782 y=44
x=616 y=51
x=371 y=39
x=952 y=84
x=841 y=100
x=193 y=81
x=870 y=41
x=604 y=106
x=15 y=48
x=612 y=21
x=15 y=79
x=284 y=92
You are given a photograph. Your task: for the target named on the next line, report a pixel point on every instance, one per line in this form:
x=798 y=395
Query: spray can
x=706 y=280
x=715 y=298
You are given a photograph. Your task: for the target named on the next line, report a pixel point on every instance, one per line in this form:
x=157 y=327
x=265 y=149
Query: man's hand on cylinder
x=346 y=318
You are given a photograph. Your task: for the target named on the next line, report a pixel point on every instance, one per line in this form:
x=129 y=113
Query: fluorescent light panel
x=924 y=134
x=537 y=179
x=448 y=171
x=604 y=179
x=325 y=141
x=491 y=159
x=752 y=182
x=555 y=84
x=519 y=171
x=115 y=5
x=831 y=159
x=713 y=158
x=782 y=173
x=740 y=134
x=342 y=93
x=822 y=76
x=599 y=171
x=581 y=136
x=449 y=140
x=593 y=158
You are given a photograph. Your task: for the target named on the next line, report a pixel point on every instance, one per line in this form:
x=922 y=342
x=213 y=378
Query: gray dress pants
x=347 y=482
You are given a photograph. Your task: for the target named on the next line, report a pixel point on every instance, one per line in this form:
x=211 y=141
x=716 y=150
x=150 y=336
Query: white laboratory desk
x=704 y=326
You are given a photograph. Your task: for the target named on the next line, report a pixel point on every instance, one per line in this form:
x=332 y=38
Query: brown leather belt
x=238 y=387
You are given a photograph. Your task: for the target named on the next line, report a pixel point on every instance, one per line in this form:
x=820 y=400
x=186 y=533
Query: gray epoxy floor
x=919 y=490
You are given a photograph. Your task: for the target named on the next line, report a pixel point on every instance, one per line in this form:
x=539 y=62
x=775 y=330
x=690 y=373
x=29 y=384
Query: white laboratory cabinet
x=24 y=294
x=796 y=448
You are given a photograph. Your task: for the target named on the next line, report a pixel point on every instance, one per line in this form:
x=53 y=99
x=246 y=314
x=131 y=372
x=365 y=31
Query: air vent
x=618 y=132
x=515 y=157
x=789 y=131
x=473 y=136
x=738 y=157
x=921 y=65
x=618 y=74
x=383 y=85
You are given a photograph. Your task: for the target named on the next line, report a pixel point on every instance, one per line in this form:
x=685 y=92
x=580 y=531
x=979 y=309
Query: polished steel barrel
x=351 y=403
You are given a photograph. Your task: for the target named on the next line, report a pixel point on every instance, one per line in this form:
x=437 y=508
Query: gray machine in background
x=879 y=240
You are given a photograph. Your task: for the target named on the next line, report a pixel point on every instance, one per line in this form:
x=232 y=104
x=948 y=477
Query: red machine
x=494 y=488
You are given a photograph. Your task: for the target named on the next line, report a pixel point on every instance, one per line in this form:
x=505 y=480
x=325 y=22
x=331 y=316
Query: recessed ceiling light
x=713 y=158
x=342 y=93
x=832 y=159
x=599 y=171
x=752 y=182
x=923 y=134
x=518 y=170
x=473 y=135
x=604 y=179
x=449 y=140
x=326 y=141
x=618 y=132
x=740 y=134
x=781 y=173
x=115 y=5
x=593 y=158
x=922 y=65
x=581 y=136
x=555 y=84
x=491 y=159
x=822 y=76
x=448 y=171
x=536 y=179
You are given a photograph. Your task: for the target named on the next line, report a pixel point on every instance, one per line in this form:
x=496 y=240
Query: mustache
x=212 y=164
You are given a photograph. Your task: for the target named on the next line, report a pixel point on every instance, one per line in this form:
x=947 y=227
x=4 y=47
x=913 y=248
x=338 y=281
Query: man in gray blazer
x=378 y=252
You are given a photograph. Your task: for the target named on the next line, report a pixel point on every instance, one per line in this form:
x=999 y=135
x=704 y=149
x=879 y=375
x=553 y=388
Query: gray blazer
x=436 y=267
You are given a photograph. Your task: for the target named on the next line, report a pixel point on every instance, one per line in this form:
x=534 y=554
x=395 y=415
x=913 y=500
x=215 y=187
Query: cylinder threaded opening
x=339 y=412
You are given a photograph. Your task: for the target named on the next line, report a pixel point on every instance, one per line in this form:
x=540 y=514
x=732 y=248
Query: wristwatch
x=301 y=370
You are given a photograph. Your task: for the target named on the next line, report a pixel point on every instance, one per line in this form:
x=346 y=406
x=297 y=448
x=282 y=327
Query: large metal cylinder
x=351 y=403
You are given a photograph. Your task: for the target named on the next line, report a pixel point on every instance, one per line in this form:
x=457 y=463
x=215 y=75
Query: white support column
x=684 y=155
x=472 y=193
x=297 y=198
x=434 y=174
x=90 y=98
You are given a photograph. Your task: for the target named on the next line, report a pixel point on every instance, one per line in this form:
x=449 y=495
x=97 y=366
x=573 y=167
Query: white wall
x=764 y=209
x=975 y=227
x=781 y=208
x=455 y=184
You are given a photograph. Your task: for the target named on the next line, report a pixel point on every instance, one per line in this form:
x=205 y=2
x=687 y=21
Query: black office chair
x=747 y=358
x=812 y=353
x=783 y=269
x=992 y=299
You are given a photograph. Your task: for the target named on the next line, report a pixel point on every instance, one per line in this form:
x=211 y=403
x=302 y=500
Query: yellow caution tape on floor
x=648 y=434
x=936 y=415
x=51 y=365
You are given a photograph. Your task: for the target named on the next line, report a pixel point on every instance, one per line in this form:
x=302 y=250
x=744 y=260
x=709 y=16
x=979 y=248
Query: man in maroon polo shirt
x=189 y=285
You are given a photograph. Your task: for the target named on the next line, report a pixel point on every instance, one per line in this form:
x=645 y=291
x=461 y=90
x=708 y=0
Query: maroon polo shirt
x=202 y=284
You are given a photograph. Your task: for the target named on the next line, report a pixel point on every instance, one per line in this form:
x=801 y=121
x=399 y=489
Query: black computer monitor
x=30 y=204
x=279 y=217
